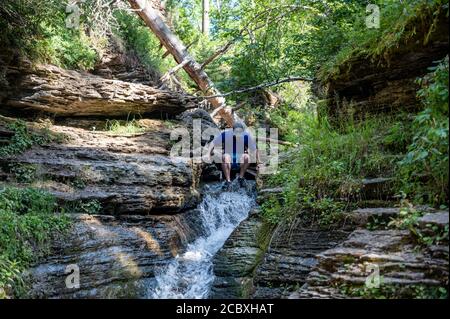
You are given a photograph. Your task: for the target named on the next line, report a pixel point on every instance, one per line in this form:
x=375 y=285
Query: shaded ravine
x=191 y=275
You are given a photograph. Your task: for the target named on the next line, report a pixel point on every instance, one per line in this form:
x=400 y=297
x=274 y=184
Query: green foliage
x=23 y=139
x=28 y=223
x=432 y=235
x=91 y=207
x=399 y=22
x=425 y=236
x=70 y=49
x=326 y=171
x=272 y=210
x=38 y=30
x=389 y=291
x=425 y=166
x=124 y=127
x=142 y=41
x=78 y=183
x=24 y=173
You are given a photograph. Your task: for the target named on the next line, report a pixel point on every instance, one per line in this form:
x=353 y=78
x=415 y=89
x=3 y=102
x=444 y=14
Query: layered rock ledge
x=50 y=90
x=115 y=257
x=126 y=174
x=394 y=254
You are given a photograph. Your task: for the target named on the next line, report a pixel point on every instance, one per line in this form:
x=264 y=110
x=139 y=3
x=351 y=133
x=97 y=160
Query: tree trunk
x=205 y=17
x=176 y=48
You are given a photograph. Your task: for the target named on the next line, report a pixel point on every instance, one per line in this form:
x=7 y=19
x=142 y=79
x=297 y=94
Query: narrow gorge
x=95 y=203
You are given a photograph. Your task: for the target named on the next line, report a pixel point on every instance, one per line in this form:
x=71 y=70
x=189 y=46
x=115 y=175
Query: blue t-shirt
x=235 y=144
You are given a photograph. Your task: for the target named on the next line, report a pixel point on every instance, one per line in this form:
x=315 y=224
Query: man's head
x=238 y=128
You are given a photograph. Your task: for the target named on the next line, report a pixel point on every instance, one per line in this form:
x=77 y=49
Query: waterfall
x=190 y=275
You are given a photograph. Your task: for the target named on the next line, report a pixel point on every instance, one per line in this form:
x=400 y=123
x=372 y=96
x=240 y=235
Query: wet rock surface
x=146 y=214
x=116 y=256
x=236 y=261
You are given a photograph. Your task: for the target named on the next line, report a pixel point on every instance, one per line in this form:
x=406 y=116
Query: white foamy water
x=190 y=275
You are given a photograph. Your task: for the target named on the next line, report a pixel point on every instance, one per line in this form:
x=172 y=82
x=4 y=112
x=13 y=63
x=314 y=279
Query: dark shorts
x=235 y=162
x=235 y=165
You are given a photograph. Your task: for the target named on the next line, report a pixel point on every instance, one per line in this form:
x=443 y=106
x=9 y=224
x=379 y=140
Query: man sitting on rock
x=238 y=151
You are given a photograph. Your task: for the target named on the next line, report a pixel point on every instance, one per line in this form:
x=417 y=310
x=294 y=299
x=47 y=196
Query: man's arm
x=210 y=149
x=253 y=147
x=211 y=146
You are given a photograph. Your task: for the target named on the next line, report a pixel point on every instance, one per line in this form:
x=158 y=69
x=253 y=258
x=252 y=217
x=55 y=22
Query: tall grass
x=327 y=170
x=124 y=127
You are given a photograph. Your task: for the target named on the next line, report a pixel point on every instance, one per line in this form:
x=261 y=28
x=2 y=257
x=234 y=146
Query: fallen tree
x=179 y=52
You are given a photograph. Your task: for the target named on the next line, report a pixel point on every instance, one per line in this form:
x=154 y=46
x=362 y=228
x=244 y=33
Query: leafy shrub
x=28 y=223
x=84 y=207
x=24 y=173
x=142 y=41
x=38 y=30
x=400 y=22
x=23 y=139
x=425 y=236
x=394 y=291
x=425 y=167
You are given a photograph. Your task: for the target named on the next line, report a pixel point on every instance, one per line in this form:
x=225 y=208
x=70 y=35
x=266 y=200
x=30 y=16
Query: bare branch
x=174 y=70
x=260 y=86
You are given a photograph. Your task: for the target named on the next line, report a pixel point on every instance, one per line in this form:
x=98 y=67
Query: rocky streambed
x=260 y=260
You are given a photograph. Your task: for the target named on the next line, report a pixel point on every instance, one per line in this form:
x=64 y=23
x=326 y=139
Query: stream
x=190 y=275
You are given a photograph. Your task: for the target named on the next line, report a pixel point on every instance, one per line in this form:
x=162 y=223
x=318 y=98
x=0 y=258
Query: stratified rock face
x=126 y=174
x=236 y=261
x=116 y=257
x=146 y=217
x=290 y=257
x=394 y=253
x=364 y=86
x=47 y=89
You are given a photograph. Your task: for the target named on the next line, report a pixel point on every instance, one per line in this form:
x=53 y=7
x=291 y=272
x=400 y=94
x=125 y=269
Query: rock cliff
x=364 y=85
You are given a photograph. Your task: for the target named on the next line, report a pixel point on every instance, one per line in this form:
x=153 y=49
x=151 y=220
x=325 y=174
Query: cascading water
x=191 y=274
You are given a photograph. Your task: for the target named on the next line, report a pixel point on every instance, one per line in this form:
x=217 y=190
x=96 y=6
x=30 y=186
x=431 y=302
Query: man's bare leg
x=226 y=166
x=245 y=163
